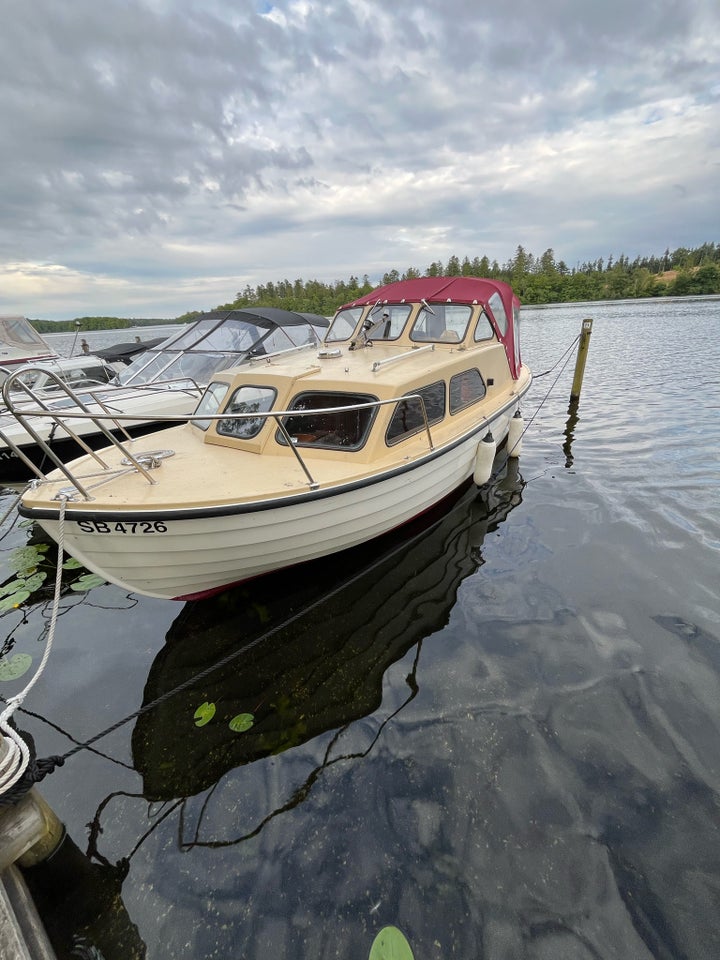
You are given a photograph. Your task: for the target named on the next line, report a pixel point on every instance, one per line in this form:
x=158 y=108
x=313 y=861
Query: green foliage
x=13 y=667
x=94 y=323
x=87 y=582
x=204 y=714
x=32 y=566
x=542 y=279
x=242 y=722
x=24 y=561
x=390 y=944
x=680 y=273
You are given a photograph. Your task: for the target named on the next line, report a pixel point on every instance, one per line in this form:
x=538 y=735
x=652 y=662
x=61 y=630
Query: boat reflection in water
x=304 y=651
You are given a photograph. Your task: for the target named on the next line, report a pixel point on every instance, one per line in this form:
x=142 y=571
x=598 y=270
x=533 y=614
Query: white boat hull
x=193 y=556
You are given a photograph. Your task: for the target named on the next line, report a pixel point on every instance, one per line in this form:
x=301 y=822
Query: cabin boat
x=304 y=454
x=166 y=380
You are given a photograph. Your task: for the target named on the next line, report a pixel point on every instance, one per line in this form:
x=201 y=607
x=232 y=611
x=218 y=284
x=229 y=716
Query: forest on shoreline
x=536 y=280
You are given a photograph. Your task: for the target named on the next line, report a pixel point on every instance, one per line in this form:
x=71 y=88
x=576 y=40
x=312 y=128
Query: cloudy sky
x=159 y=155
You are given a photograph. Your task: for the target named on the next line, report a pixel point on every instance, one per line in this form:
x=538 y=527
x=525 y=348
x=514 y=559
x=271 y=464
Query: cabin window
x=210 y=402
x=345 y=429
x=484 y=329
x=498 y=311
x=343 y=326
x=408 y=417
x=246 y=400
x=441 y=322
x=466 y=388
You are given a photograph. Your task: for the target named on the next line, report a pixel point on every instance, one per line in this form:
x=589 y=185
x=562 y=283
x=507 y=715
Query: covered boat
x=166 y=380
x=20 y=342
x=304 y=454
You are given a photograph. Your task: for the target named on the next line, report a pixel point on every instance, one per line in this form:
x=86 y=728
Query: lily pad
x=241 y=722
x=72 y=564
x=204 y=714
x=26 y=559
x=15 y=666
x=87 y=582
x=11 y=587
x=14 y=600
x=390 y=944
x=35 y=581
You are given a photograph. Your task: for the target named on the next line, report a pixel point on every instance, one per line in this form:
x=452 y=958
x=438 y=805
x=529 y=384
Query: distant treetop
x=681 y=273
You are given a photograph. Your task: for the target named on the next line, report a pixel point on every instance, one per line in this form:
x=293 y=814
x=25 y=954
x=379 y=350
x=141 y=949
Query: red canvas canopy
x=468 y=290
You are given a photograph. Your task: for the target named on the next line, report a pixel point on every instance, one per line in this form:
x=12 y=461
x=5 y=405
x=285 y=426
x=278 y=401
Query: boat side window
x=498 y=311
x=210 y=402
x=246 y=399
x=484 y=329
x=275 y=341
x=441 y=322
x=343 y=326
x=408 y=418
x=346 y=429
x=466 y=388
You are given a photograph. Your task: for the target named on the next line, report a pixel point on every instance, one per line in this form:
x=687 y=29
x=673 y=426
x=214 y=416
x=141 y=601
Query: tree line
x=82 y=324
x=679 y=273
x=536 y=280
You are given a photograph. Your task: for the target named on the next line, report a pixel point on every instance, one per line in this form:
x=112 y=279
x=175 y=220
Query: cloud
x=318 y=139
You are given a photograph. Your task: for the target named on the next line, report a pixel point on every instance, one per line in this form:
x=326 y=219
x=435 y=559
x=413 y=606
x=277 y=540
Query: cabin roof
x=456 y=289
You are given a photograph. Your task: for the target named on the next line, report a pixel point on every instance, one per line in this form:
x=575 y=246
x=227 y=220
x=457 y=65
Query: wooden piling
x=583 y=346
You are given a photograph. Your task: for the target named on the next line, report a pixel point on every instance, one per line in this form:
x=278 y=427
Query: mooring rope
x=538 y=376
x=565 y=356
x=14 y=765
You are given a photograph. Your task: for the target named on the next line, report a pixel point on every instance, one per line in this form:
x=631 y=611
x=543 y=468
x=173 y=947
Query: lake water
x=500 y=734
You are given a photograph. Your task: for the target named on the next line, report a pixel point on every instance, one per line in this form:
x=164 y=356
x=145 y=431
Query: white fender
x=484 y=458
x=514 y=437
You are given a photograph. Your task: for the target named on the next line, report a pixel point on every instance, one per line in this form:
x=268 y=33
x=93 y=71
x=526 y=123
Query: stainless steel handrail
x=138 y=463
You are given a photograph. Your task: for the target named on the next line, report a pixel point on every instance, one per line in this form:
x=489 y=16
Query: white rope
x=17 y=757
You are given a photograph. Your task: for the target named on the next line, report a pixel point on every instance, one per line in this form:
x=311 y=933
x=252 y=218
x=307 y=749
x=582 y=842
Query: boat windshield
x=76 y=375
x=210 y=345
x=442 y=322
x=210 y=403
x=386 y=321
x=343 y=326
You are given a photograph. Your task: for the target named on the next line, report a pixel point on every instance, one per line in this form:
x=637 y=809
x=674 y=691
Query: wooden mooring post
x=582 y=352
